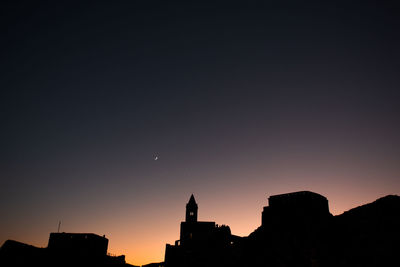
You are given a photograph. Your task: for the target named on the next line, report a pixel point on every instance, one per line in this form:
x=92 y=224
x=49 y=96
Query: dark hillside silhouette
x=14 y=253
x=367 y=235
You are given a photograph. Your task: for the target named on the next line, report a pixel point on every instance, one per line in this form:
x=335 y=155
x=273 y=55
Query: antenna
x=59 y=224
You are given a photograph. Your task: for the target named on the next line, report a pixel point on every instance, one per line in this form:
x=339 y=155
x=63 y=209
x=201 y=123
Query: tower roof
x=192 y=201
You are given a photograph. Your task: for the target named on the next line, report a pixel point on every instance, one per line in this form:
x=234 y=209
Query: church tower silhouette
x=191 y=210
x=201 y=243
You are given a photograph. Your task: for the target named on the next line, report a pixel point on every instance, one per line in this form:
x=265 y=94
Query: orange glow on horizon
x=141 y=231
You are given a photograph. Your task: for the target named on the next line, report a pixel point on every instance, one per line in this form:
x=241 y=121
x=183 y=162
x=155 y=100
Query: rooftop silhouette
x=296 y=229
x=64 y=249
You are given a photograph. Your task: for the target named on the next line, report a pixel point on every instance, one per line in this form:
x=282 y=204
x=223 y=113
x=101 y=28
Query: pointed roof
x=192 y=201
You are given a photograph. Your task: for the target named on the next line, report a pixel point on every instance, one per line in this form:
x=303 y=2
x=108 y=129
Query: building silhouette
x=191 y=210
x=82 y=246
x=292 y=231
x=64 y=249
x=201 y=243
x=298 y=207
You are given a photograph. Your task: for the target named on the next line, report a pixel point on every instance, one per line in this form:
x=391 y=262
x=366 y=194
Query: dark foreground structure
x=64 y=249
x=200 y=243
x=296 y=229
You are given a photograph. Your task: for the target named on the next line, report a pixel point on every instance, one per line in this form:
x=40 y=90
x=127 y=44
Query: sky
x=238 y=101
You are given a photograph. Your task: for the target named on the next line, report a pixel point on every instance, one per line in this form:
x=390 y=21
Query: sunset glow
x=113 y=114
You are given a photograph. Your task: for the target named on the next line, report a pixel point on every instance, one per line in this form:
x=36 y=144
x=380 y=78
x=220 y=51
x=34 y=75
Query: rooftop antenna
x=59 y=224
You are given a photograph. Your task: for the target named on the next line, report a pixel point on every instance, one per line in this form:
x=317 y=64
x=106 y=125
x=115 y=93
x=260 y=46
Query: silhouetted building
x=64 y=249
x=303 y=206
x=290 y=232
x=83 y=245
x=191 y=210
x=193 y=231
x=200 y=244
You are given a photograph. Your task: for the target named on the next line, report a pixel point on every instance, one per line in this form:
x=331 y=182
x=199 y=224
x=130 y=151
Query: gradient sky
x=239 y=101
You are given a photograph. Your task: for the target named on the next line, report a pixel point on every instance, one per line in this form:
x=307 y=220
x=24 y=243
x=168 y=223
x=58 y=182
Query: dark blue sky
x=238 y=100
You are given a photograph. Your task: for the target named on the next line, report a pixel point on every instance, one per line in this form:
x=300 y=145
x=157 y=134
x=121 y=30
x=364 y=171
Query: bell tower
x=191 y=210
